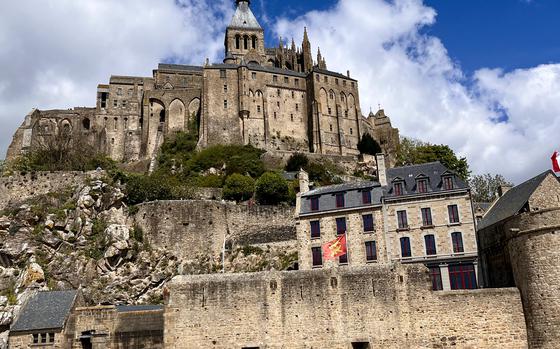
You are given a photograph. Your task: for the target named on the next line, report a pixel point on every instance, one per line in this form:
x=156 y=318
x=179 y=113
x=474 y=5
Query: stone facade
x=520 y=248
x=376 y=306
x=276 y=99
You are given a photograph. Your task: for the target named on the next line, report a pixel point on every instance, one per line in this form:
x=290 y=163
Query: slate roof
x=180 y=67
x=512 y=201
x=45 y=311
x=133 y=308
x=332 y=73
x=337 y=188
x=244 y=17
x=432 y=170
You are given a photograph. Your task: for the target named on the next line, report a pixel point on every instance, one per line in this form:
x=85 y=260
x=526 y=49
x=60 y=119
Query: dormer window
x=422 y=185
x=366 y=197
x=398 y=189
x=448 y=183
x=315 y=203
x=340 y=200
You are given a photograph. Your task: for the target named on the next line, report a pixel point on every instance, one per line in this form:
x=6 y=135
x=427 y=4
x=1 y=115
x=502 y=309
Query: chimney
x=381 y=169
x=504 y=188
x=303 y=181
x=348 y=73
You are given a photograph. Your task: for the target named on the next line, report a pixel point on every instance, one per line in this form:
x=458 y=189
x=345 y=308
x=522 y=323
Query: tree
x=2 y=164
x=484 y=188
x=271 y=189
x=239 y=187
x=414 y=152
x=296 y=162
x=368 y=145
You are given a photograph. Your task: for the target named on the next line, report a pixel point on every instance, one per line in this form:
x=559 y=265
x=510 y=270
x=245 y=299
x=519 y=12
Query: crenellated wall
x=385 y=306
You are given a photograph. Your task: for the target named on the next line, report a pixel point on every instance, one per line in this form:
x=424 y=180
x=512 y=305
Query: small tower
x=307 y=56
x=244 y=35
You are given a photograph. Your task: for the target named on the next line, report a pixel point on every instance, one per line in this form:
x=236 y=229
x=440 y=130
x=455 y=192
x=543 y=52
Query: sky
x=481 y=76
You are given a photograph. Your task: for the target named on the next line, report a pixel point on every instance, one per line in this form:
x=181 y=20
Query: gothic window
x=126 y=123
x=237 y=41
x=124 y=104
x=130 y=92
x=254 y=41
x=331 y=95
x=246 y=42
x=346 y=113
x=278 y=103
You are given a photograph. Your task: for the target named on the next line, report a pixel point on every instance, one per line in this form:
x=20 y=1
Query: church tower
x=244 y=36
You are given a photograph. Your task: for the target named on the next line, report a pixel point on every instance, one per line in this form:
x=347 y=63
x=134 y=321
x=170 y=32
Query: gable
x=546 y=195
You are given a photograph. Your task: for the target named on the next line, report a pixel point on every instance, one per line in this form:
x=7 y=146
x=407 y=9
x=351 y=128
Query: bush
x=271 y=189
x=239 y=187
x=368 y=145
x=141 y=188
x=237 y=158
x=296 y=162
x=210 y=181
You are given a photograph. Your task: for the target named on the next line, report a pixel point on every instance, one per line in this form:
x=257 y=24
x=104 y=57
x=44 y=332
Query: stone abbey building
x=278 y=99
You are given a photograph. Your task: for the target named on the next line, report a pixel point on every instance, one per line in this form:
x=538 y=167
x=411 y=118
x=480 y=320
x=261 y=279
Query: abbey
x=278 y=99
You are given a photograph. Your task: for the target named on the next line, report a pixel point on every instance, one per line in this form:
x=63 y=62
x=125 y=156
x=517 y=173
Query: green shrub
x=210 y=181
x=237 y=158
x=368 y=145
x=296 y=162
x=239 y=187
x=271 y=189
x=143 y=188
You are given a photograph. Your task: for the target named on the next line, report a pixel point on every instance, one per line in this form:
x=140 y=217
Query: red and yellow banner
x=336 y=248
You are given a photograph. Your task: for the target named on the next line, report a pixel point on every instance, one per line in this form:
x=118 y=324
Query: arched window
x=162 y=115
x=331 y=95
x=237 y=41
x=254 y=41
x=245 y=42
x=86 y=124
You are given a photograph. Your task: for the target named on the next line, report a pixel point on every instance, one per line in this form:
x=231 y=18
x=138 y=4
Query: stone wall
x=385 y=306
x=23 y=186
x=200 y=227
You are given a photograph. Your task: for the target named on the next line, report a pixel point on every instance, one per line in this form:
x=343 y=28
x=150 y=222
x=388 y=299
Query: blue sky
x=482 y=76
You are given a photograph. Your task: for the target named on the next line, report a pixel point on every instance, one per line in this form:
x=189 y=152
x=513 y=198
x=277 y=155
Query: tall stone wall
x=385 y=306
x=201 y=227
x=533 y=245
x=23 y=186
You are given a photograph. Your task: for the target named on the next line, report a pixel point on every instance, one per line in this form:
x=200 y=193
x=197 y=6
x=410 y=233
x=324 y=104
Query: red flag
x=336 y=248
x=555 y=162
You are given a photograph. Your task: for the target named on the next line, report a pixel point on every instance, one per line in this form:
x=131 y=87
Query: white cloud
x=426 y=93
x=55 y=52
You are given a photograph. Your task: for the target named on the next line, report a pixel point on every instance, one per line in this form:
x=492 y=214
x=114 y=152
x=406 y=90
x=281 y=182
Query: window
x=258 y=108
x=371 y=251
x=86 y=124
x=278 y=104
x=35 y=338
x=336 y=81
x=119 y=91
x=462 y=276
x=297 y=107
x=274 y=78
x=430 y=242
x=222 y=73
x=331 y=95
x=339 y=200
x=366 y=197
x=286 y=79
x=317 y=256
x=115 y=103
x=352 y=83
x=225 y=103
x=246 y=42
x=402 y=220
x=315 y=229
x=340 y=225
x=51 y=337
x=343 y=259
x=254 y=76
x=43 y=337
x=225 y=88
x=448 y=183
x=326 y=79
x=116 y=123
x=317 y=77
x=237 y=39
x=351 y=131
x=453 y=214
x=427 y=217
x=292 y=117
x=315 y=204
x=343 y=82
x=368 y=223
x=278 y=94
x=422 y=186
x=293 y=95
x=435 y=275
x=405 y=247
x=124 y=104
x=275 y=115
x=296 y=82
x=254 y=42
x=457 y=241
x=398 y=189
x=130 y=92
x=330 y=111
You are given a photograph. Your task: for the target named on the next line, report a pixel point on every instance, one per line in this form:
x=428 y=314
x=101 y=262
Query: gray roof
x=337 y=188
x=432 y=170
x=332 y=73
x=180 y=67
x=45 y=311
x=512 y=201
x=133 y=308
x=244 y=17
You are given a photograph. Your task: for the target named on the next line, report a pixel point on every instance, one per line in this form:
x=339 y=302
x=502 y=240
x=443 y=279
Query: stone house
x=45 y=321
x=519 y=242
x=278 y=99
x=414 y=214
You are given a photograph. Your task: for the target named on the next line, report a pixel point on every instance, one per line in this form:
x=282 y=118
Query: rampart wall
x=201 y=227
x=382 y=306
x=19 y=187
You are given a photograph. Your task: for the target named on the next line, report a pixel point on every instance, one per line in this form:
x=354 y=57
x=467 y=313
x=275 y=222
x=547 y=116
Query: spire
x=244 y=17
x=293 y=45
x=319 y=56
x=305 y=37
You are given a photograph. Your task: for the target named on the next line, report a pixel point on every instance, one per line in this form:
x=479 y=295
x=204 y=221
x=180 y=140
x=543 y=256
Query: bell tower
x=244 y=36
